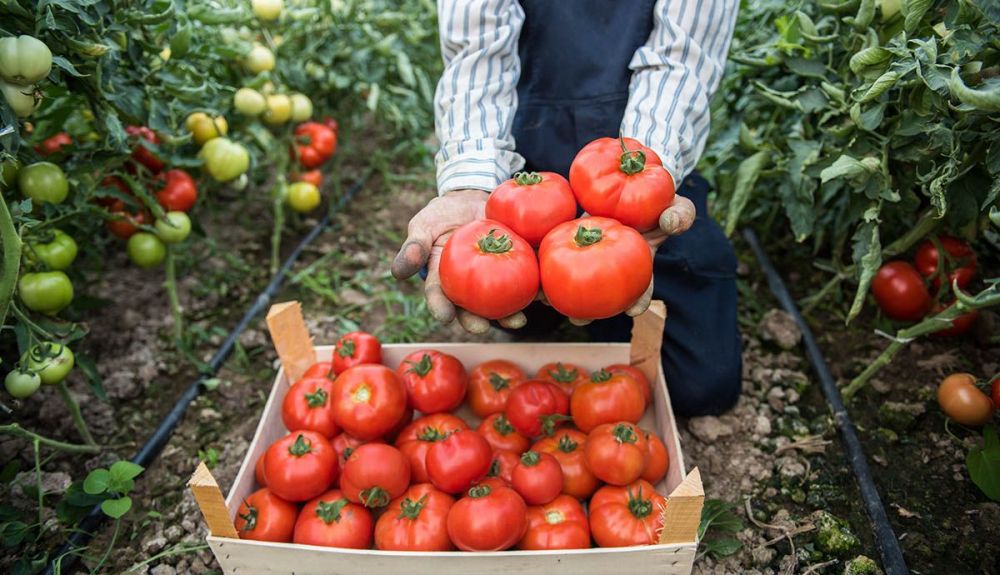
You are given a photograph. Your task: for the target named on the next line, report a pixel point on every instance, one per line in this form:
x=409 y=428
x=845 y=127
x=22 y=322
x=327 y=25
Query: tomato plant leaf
x=97 y=482
x=125 y=470
x=89 y=369
x=984 y=464
x=66 y=66
x=746 y=179
x=116 y=508
x=913 y=12
x=868 y=258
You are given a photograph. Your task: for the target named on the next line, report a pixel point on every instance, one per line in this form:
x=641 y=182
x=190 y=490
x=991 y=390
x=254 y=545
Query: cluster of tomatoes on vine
x=357 y=471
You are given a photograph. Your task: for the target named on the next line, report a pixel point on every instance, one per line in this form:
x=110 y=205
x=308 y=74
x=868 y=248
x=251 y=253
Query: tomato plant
x=417 y=438
x=356 y=348
x=45 y=292
x=331 y=520
x=558 y=524
x=307 y=407
x=593 y=268
x=501 y=435
x=375 y=474
x=43 y=182
x=300 y=466
x=51 y=361
x=959 y=325
x=458 y=461
x=566 y=375
x=963 y=402
x=179 y=192
x=489 y=386
x=621 y=516
x=606 y=398
x=55 y=251
x=536 y=407
x=316 y=144
x=617 y=453
x=416 y=521
x=537 y=478
x=263 y=516
x=435 y=381
x=368 y=400
x=900 y=292
x=488 y=518
x=531 y=204
x=959 y=261
x=567 y=446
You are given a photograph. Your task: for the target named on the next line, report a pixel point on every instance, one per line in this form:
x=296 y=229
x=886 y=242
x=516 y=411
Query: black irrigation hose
x=64 y=556
x=885 y=538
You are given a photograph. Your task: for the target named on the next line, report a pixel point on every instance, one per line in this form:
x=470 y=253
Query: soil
x=776 y=458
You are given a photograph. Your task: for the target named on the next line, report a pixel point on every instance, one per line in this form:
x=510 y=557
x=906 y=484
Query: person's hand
x=427 y=233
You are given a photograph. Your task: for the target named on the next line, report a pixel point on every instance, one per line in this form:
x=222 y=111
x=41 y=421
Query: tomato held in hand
x=458 y=461
x=489 y=518
x=502 y=466
x=659 y=458
x=489 y=386
x=900 y=292
x=356 y=348
x=369 y=400
x=501 y=435
x=489 y=270
x=622 y=179
x=315 y=144
x=300 y=466
x=963 y=402
x=536 y=408
x=416 y=521
x=637 y=376
x=179 y=192
x=566 y=375
x=606 y=398
x=594 y=268
x=961 y=268
x=307 y=407
x=559 y=524
x=617 y=453
x=417 y=438
x=435 y=381
x=266 y=517
x=567 y=446
x=331 y=520
x=375 y=474
x=531 y=204
x=537 y=478
x=142 y=154
x=629 y=515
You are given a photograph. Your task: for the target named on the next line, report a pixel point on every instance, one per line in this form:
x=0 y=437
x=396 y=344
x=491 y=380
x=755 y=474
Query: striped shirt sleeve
x=476 y=97
x=674 y=76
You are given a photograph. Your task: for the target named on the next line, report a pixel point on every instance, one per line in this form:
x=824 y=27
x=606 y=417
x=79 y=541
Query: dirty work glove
x=427 y=233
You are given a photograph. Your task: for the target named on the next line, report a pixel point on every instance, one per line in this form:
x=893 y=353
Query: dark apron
x=573 y=89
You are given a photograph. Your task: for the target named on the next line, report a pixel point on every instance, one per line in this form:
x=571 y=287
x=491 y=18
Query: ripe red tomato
x=375 y=474
x=179 y=192
x=617 y=453
x=489 y=386
x=319 y=369
x=112 y=182
x=579 y=255
x=567 y=446
x=356 y=348
x=501 y=435
x=307 y=406
x=458 y=461
x=963 y=402
x=300 y=466
x=959 y=325
x=315 y=143
x=489 y=270
x=494 y=482
x=566 y=375
x=416 y=521
x=489 y=518
x=659 y=458
x=54 y=144
x=266 y=517
x=531 y=204
x=536 y=407
x=258 y=471
x=559 y=524
x=622 y=179
x=141 y=153
x=629 y=515
x=417 y=438
x=331 y=520
x=637 y=376
x=345 y=444
x=368 y=400
x=503 y=464
x=900 y=292
x=606 y=398
x=961 y=268
x=537 y=478
x=314 y=177
x=435 y=381
x=125 y=223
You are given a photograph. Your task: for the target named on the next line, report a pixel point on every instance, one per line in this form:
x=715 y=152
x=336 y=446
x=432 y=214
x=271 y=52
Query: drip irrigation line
x=64 y=557
x=885 y=537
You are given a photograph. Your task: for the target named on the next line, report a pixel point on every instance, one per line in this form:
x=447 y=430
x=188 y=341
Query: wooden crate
x=674 y=555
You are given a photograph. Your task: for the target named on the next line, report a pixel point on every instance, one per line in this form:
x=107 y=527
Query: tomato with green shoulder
x=56 y=250
x=45 y=292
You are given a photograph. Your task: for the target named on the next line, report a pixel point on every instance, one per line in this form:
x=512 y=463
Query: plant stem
x=111 y=546
x=11 y=242
x=23 y=318
x=18 y=431
x=170 y=283
x=74 y=411
x=278 y=206
x=38 y=483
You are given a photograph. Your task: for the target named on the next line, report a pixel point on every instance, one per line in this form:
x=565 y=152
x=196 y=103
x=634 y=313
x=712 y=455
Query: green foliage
x=852 y=123
x=717 y=529
x=984 y=464
x=113 y=486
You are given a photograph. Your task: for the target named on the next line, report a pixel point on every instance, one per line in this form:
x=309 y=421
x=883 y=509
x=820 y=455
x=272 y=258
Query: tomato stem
x=410 y=509
x=490 y=244
x=170 y=283
x=317 y=398
x=502 y=425
x=346 y=348
x=301 y=446
x=375 y=497
x=632 y=161
x=480 y=491
x=567 y=445
x=625 y=433
x=250 y=517
x=600 y=376
x=431 y=434
x=527 y=178
x=639 y=507
x=499 y=382
x=530 y=458
x=422 y=367
x=18 y=431
x=330 y=511
x=587 y=236
x=74 y=412
x=11 y=259
x=560 y=373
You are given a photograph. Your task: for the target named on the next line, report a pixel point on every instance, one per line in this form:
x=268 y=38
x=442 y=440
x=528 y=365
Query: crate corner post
x=647 y=339
x=211 y=502
x=291 y=338
x=682 y=513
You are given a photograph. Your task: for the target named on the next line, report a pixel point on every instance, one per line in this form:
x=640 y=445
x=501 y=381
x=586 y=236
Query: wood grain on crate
x=213 y=506
x=291 y=338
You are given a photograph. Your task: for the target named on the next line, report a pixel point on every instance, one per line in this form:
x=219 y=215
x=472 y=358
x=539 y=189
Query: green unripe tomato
x=22 y=384
x=249 y=102
x=267 y=9
x=21 y=99
x=51 y=361
x=8 y=173
x=302 y=107
x=224 y=159
x=259 y=59
x=303 y=197
x=43 y=182
x=146 y=250
x=174 y=228
x=45 y=292
x=57 y=252
x=24 y=60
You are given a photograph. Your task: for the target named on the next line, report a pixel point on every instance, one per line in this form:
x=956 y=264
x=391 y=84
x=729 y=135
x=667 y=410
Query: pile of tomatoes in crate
x=557 y=461
x=589 y=268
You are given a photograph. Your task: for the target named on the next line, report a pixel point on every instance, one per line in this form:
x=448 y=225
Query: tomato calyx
x=632 y=161
x=600 y=376
x=624 y=433
x=494 y=469
x=549 y=422
x=422 y=367
x=527 y=178
x=587 y=236
x=317 y=398
x=499 y=382
x=302 y=446
x=567 y=445
x=249 y=518
x=560 y=374
x=346 y=348
x=410 y=509
x=554 y=517
x=431 y=434
x=491 y=244
x=639 y=507
x=530 y=458
x=479 y=491
x=502 y=425
x=375 y=497
x=330 y=511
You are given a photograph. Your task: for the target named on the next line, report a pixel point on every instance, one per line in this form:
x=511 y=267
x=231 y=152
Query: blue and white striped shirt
x=674 y=75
